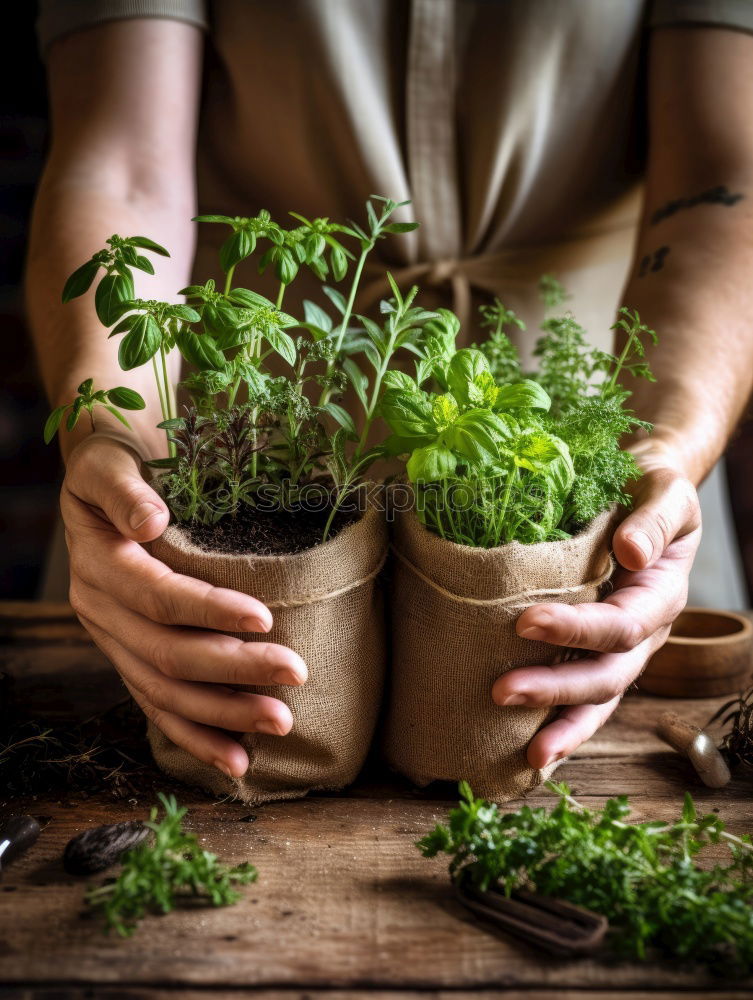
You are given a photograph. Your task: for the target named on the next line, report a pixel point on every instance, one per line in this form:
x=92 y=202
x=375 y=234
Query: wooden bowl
x=707 y=653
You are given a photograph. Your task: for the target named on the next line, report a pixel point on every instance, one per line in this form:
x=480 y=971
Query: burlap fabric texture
x=454 y=610
x=327 y=606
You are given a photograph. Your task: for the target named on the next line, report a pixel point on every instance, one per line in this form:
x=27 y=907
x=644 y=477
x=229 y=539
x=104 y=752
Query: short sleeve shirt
x=515 y=126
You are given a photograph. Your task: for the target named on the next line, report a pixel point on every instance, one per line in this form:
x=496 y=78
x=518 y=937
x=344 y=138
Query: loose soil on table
x=269 y=533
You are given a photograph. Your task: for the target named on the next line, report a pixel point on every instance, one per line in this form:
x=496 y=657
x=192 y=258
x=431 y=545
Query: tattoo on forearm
x=652 y=262
x=720 y=195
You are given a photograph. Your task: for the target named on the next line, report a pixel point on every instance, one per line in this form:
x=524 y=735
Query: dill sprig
x=158 y=875
x=642 y=876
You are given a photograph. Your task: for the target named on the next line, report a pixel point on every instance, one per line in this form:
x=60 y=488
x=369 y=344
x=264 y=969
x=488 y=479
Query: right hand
x=156 y=626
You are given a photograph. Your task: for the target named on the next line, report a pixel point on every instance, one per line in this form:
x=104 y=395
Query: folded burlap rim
x=522 y=600
x=319 y=597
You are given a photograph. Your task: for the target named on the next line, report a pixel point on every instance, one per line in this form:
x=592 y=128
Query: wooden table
x=344 y=907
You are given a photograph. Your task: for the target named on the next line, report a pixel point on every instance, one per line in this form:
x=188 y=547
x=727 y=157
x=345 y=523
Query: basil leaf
x=467 y=365
x=526 y=394
x=431 y=463
x=53 y=422
x=80 y=281
x=140 y=344
x=113 y=292
x=408 y=416
x=200 y=350
x=126 y=399
x=279 y=341
x=144 y=243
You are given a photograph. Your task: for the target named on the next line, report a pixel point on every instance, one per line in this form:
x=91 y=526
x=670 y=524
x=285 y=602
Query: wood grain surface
x=345 y=906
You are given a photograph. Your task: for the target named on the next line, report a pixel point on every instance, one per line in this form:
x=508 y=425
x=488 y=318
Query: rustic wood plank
x=140 y=993
x=344 y=900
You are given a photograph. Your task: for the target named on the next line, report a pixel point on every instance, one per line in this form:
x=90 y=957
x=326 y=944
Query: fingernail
x=251 y=624
x=269 y=727
x=644 y=543
x=286 y=677
x=515 y=699
x=141 y=514
x=223 y=767
x=534 y=632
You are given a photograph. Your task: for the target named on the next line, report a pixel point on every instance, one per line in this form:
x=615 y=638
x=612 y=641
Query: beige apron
x=514 y=126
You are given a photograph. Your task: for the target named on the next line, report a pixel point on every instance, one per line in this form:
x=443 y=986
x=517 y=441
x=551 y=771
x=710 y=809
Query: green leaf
x=430 y=464
x=163 y=463
x=476 y=434
x=465 y=366
x=316 y=316
x=172 y=424
x=280 y=342
x=86 y=387
x=144 y=243
x=200 y=350
x=237 y=247
x=119 y=415
x=688 y=809
x=358 y=380
x=336 y=298
x=248 y=299
x=525 y=394
x=400 y=227
x=214 y=218
x=80 y=281
x=143 y=264
x=113 y=292
x=339 y=263
x=53 y=422
x=408 y=416
x=140 y=344
x=399 y=381
x=186 y=313
x=126 y=399
x=125 y=324
x=343 y=418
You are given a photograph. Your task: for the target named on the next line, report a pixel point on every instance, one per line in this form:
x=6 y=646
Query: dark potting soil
x=269 y=533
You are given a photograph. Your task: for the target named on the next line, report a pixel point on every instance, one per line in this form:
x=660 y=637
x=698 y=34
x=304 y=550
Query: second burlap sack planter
x=327 y=606
x=454 y=609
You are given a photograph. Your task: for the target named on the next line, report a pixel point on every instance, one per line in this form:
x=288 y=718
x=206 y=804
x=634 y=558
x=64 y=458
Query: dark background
x=30 y=472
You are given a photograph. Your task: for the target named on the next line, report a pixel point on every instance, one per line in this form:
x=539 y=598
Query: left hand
x=654 y=546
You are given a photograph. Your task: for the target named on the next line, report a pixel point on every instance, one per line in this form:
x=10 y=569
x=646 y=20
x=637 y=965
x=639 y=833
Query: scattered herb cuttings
x=157 y=876
x=737 y=742
x=642 y=876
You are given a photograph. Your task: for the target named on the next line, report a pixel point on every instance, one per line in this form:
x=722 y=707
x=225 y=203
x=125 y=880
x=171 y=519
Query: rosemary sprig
x=157 y=876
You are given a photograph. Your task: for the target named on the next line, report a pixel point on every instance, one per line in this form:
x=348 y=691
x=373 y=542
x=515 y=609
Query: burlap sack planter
x=327 y=606
x=454 y=610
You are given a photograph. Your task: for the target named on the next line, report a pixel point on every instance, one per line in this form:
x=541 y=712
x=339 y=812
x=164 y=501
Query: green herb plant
x=164 y=871
x=642 y=876
x=250 y=433
x=113 y=400
x=496 y=456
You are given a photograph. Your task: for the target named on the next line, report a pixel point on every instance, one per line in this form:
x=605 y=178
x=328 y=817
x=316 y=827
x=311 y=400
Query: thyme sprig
x=158 y=874
x=642 y=876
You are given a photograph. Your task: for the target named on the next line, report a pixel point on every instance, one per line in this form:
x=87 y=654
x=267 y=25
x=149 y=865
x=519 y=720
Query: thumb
x=666 y=508
x=106 y=474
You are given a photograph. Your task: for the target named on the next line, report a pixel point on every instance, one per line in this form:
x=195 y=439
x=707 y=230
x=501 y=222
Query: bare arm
x=693 y=282
x=124 y=107
x=693 y=275
x=124 y=100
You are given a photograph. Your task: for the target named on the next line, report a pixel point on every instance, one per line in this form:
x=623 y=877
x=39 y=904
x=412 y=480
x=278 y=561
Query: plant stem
x=229 y=279
x=168 y=397
x=280 y=295
x=326 y=391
